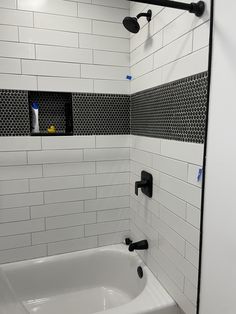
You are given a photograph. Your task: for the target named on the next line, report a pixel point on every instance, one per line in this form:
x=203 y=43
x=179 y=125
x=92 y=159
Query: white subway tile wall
x=52 y=200
x=172 y=46
x=171 y=219
x=65 y=194
x=59 y=45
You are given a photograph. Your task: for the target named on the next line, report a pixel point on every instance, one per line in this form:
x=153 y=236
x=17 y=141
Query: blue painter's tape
x=199 y=176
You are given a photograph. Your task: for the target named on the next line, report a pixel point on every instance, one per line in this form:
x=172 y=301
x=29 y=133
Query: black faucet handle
x=145 y=184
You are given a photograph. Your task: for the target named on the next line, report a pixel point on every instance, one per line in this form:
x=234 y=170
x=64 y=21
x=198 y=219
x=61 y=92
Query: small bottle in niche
x=35 y=117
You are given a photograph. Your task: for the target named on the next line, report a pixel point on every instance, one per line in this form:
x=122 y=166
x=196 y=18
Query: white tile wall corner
x=172 y=46
x=171 y=219
x=64 y=45
x=62 y=194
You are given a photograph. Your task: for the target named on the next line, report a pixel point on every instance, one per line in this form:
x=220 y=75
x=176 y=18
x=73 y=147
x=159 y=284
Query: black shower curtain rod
x=197 y=8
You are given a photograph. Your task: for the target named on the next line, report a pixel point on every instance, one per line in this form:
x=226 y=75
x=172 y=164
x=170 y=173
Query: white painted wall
x=62 y=45
x=219 y=234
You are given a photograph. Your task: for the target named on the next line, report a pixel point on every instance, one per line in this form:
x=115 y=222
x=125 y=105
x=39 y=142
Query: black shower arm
x=197 y=8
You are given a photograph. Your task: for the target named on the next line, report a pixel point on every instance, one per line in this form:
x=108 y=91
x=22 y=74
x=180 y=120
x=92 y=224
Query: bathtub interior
x=96 y=282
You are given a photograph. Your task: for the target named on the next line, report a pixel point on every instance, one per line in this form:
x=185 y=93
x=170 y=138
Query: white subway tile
x=70 y=220
x=18 y=82
x=106 y=179
x=195 y=175
x=149 y=144
x=192 y=64
x=192 y=254
x=165 y=17
x=183 y=228
x=57 y=235
x=103 y=13
x=174 y=51
x=174 y=204
x=48 y=37
x=104 y=43
x=14 y=143
x=13 y=158
x=111 y=58
x=171 y=166
x=112 y=238
x=183 y=24
x=33 y=67
x=109 y=29
x=9 y=4
x=169 y=234
x=181 y=189
x=54 y=156
x=22 y=227
x=24 y=253
x=106 y=154
x=115 y=214
x=64 y=23
x=68 y=142
x=8 y=33
x=68 y=169
x=14 y=214
x=193 y=216
x=113 y=166
x=63 y=54
x=142 y=67
x=20 y=200
x=110 y=141
x=58 y=183
x=13 y=187
x=111 y=87
x=17 y=50
x=190 y=291
x=107 y=203
x=57 y=209
x=9 y=65
x=146 y=49
x=72 y=245
x=49 y=6
x=169 y=268
x=115 y=190
x=149 y=80
x=69 y=195
x=103 y=72
x=149 y=232
x=188 y=152
x=16 y=17
x=142 y=36
x=106 y=227
x=183 y=302
x=20 y=172
x=113 y=3
x=141 y=156
x=12 y=242
x=181 y=263
x=65 y=84
x=201 y=36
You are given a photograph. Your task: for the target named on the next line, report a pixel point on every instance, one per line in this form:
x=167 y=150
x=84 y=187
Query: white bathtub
x=93 y=281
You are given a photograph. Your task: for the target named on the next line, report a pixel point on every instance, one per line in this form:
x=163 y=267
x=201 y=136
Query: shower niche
x=55 y=113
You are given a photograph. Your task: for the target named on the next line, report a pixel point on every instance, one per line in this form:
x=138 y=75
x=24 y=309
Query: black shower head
x=132 y=24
